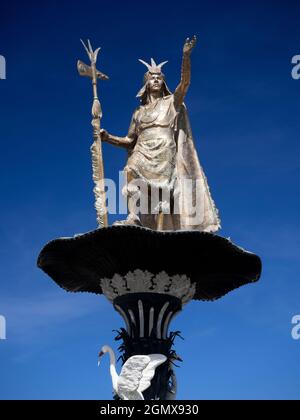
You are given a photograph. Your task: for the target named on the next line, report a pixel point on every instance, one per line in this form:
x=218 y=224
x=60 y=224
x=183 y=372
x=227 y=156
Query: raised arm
x=185 y=81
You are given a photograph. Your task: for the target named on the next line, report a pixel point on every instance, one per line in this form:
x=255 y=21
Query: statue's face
x=155 y=82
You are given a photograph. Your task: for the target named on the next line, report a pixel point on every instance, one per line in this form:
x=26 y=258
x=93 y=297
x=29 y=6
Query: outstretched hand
x=189 y=45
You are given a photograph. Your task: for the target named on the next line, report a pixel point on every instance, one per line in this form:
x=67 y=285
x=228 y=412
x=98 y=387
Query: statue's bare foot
x=132 y=220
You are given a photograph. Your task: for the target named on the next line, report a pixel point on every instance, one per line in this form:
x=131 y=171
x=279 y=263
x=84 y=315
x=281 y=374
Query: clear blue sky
x=244 y=109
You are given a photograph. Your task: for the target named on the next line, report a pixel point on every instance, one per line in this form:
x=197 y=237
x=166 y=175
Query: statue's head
x=154 y=82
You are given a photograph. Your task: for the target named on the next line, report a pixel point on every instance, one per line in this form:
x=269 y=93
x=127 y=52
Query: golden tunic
x=153 y=158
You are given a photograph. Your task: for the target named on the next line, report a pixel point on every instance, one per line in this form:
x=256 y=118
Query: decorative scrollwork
x=140 y=281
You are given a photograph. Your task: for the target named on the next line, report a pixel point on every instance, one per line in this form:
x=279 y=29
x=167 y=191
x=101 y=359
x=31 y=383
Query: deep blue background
x=244 y=110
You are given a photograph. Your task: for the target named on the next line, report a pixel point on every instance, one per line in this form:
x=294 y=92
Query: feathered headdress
x=153 y=68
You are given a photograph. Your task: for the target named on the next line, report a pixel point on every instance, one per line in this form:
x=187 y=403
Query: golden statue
x=162 y=161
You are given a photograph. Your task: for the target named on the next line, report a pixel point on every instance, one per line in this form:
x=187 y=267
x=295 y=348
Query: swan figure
x=136 y=373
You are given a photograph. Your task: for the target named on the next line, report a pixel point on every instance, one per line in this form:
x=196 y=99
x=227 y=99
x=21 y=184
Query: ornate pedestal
x=148 y=303
x=149 y=276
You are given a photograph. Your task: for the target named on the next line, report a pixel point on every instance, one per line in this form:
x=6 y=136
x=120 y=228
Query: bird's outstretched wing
x=149 y=371
x=131 y=373
x=136 y=375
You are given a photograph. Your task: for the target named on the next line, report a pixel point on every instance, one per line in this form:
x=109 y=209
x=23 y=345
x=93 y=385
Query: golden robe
x=164 y=156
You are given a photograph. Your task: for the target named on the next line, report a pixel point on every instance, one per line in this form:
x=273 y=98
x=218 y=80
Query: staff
x=96 y=148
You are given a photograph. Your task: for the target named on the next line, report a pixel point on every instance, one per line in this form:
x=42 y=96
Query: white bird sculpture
x=136 y=373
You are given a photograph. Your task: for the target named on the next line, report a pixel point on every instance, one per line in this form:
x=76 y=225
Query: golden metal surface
x=162 y=154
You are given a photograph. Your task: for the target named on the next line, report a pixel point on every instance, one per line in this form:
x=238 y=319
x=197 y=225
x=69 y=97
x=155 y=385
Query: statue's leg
x=160 y=221
x=163 y=208
x=133 y=194
x=148 y=219
x=132 y=198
